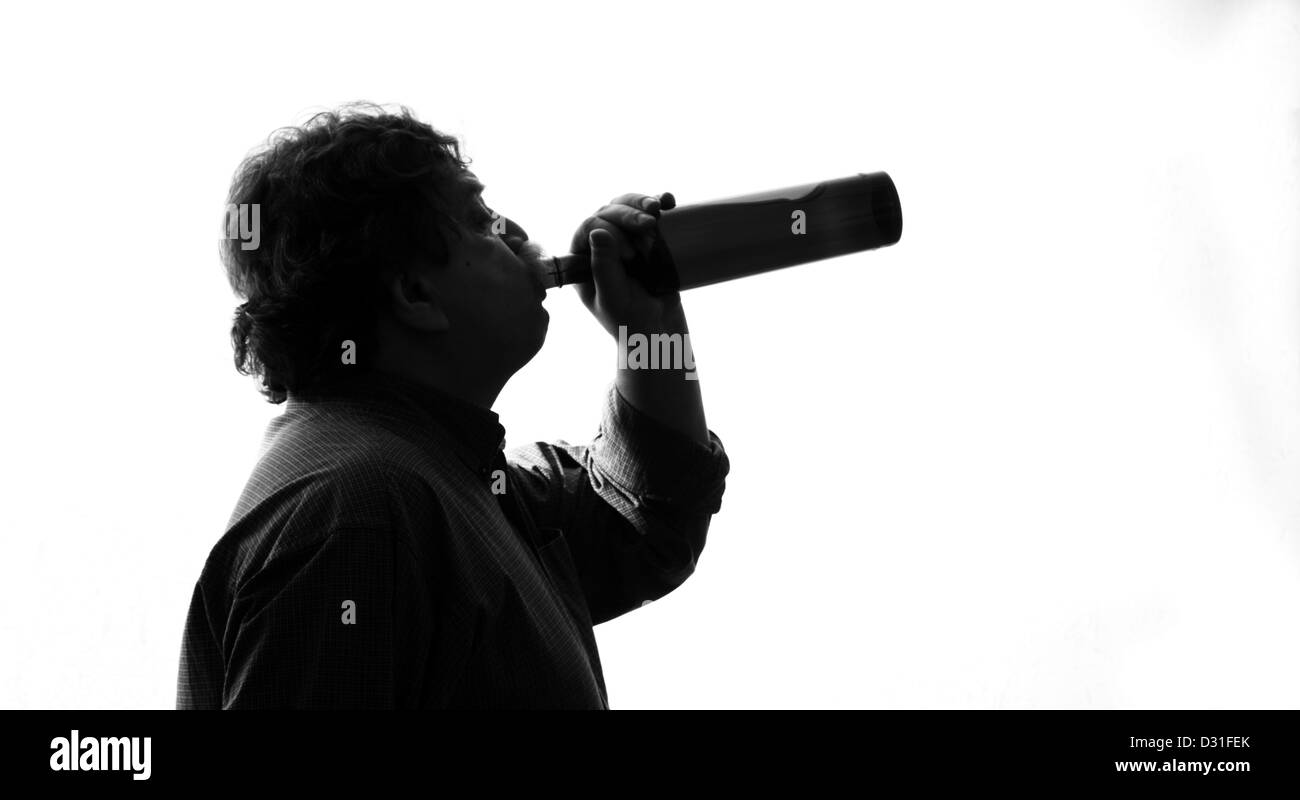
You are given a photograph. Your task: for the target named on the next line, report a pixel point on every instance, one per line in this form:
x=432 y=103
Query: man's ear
x=415 y=301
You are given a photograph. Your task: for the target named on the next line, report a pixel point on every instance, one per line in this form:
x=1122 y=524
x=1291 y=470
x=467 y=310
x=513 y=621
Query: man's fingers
x=644 y=202
x=628 y=218
x=637 y=215
x=640 y=227
x=580 y=239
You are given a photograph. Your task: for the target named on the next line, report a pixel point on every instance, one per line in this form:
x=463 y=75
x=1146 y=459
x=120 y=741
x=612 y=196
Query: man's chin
x=543 y=325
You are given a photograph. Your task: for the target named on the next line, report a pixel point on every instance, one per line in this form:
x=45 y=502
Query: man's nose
x=515 y=230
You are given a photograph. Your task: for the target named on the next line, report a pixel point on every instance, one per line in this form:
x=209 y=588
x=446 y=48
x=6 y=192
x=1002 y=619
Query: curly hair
x=346 y=196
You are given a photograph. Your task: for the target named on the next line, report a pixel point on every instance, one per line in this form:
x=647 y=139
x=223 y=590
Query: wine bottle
x=720 y=240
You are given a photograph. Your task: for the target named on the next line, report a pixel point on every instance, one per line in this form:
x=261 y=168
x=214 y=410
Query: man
x=387 y=552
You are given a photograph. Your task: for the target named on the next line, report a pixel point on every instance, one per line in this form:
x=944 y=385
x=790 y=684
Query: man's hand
x=614 y=235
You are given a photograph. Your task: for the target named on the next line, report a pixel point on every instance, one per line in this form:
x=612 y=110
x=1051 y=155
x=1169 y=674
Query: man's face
x=492 y=287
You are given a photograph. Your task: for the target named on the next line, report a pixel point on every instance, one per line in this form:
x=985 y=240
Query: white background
x=1041 y=453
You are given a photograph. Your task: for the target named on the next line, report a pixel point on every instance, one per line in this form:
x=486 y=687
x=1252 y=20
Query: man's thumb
x=602 y=245
x=606 y=271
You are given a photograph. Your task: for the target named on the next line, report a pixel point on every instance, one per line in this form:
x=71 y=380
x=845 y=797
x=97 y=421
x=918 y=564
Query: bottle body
x=721 y=240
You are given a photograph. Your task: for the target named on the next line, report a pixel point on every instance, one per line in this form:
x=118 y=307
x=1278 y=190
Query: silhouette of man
x=387 y=551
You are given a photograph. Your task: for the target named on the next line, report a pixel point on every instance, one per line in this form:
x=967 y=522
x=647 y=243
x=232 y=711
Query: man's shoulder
x=327 y=454
x=347 y=437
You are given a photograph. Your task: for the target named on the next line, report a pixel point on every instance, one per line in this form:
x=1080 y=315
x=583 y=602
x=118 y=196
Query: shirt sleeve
x=634 y=505
x=314 y=629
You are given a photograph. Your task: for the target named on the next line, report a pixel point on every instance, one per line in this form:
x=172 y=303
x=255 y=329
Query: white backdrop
x=1042 y=453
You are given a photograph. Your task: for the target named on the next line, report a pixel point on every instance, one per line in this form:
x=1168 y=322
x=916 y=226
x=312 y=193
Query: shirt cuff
x=656 y=464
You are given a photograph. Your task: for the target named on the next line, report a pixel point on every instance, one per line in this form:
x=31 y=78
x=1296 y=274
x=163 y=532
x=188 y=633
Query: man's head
x=372 y=230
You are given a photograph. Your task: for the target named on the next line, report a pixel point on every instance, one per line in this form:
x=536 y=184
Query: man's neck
x=482 y=393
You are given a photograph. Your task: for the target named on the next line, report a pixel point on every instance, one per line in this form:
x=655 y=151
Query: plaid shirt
x=374 y=560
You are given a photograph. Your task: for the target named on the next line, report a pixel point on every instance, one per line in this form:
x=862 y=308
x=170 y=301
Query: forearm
x=669 y=393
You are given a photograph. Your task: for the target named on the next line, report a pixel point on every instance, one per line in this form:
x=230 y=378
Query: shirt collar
x=474 y=432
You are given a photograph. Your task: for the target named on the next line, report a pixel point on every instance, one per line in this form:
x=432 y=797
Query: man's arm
x=624 y=309
x=666 y=394
x=635 y=505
